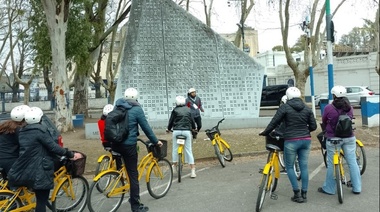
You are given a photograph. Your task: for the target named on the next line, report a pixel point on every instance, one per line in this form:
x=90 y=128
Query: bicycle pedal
x=349 y=184
x=261 y=171
x=274 y=196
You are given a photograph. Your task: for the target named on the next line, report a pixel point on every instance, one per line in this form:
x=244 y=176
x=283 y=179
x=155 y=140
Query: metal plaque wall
x=168 y=51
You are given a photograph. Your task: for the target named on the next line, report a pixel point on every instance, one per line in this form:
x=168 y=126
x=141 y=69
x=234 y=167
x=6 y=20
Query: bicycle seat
x=273 y=147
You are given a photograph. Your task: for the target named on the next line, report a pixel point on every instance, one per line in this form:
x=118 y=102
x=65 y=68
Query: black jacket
x=35 y=166
x=298 y=119
x=9 y=149
x=181 y=119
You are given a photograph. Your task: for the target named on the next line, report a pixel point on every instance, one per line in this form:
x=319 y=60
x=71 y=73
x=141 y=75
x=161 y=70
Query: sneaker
x=174 y=167
x=193 y=175
x=283 y=171
x=142 y=208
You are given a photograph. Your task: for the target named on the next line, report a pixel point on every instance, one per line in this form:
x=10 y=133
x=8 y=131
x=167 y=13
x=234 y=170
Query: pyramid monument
x=168 y=51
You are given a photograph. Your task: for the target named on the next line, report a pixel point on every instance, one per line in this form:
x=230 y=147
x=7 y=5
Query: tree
x=245 y=10
x=57 y=16
x=300 y=69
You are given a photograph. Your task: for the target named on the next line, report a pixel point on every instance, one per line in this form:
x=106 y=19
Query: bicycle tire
x=179 y=167
x=273 y=180
x=158 y=186
x=102 y=166
x=219 y=156
x=262 y=192
x=99 y=201
x=281 y=159
x=5 y=205
x=339 y=186
x=227 y=154
x=64 y=201
x=361 y=159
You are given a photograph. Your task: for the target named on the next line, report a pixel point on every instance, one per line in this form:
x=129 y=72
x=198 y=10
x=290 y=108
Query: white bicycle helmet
x=293 y=92
x=107 y=108
x=284 y=99
x=33 y=115
x=339 y=91
x=192 y=90
x=131 y=93
x=18 y=112
x=180 y=100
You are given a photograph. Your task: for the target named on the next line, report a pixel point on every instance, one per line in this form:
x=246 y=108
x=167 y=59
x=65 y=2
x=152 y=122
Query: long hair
x=10 y=126
x=342 y=103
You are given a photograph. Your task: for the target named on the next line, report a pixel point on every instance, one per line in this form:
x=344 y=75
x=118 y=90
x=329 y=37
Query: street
x=235 y=188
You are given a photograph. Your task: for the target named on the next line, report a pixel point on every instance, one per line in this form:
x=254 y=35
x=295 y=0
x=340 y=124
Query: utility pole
x=330 y=40
x=306 y=29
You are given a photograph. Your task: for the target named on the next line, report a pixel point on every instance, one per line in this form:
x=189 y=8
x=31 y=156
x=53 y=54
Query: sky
x=265 y=19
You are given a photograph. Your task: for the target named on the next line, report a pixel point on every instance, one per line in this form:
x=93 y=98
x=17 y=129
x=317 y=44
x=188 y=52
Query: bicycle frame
x=26 y=198
x=219 y=140
x=60 y=177
x=337 y=160
x=274 y=162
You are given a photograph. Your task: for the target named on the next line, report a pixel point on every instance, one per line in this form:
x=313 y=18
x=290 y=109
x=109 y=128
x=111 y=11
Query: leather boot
x=297 y=196
x=303 y=195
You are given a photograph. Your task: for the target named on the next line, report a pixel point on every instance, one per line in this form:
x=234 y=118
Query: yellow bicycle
x=181 y=156
x=115 y=183
x=70 y=191
x=221 y=147
x=339 y=176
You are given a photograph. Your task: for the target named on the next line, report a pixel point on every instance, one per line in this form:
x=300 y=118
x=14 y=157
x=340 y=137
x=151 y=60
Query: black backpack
x=116 y=125
x=343 y=128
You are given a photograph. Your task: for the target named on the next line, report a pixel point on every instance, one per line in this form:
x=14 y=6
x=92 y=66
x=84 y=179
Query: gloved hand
x=263 y=133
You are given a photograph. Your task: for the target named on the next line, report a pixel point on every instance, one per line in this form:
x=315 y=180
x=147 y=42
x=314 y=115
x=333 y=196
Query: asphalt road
x=235 y=188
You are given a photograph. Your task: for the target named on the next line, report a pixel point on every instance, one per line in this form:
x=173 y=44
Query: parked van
x=271 y=95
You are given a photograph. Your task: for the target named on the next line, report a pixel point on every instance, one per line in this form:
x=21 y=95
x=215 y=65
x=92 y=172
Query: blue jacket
x=136 y=117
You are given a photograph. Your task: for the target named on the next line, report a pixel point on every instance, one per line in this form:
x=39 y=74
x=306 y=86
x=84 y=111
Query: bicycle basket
x=159 y=152
x=76 y=167
x=211 y=133
x=273 y=140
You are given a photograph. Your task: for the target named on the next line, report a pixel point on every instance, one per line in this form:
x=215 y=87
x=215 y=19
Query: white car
x=354 y=93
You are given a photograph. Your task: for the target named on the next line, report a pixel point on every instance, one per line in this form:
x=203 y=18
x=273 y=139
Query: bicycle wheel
x=280 y=159
x=102 y=201
x=219 y=156
x=227 y=154
x=160 y=178
x=69 y=198
x=102 y=166
x=272 y=180
x=262 y=192
x=339 y=185
x=361 y=159
x=8 y=202
x=179 y=167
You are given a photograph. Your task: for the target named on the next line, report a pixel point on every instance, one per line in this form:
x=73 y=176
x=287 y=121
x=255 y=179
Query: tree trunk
x=80 y=94
x=57 y=16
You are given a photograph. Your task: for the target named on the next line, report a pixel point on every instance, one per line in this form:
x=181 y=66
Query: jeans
x=300 y=148
x=189 y=158
x=349 y=148
x=130 y=156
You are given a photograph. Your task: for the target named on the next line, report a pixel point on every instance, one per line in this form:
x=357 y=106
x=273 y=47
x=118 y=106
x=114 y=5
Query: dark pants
x=198 y=121
x=42 y=196
x=129 y=154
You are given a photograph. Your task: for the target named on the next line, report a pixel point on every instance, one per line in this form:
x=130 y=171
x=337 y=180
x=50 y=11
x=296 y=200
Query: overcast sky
x=265 y=19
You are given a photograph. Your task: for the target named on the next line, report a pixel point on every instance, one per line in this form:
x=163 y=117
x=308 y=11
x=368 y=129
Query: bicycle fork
x=337 y=161
x=269 y=168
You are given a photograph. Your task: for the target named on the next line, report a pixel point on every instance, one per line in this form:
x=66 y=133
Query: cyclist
x=182 y=123
x=195 y=104
x=128 y=148
x=281 y=127
x=9 y=145
x=101 y=124
x=299 y=122
x=35 y=166
x=330 y=116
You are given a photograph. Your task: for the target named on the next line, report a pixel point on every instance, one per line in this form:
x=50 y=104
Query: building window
x=271 y=81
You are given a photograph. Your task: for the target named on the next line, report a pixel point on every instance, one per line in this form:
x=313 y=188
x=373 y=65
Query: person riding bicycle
x=330 y=117
x=101 y=124
x=35 y=166
x=128 y=148
x=9 y=144
x=182 y=123
x=299 y=122
x=195 y=104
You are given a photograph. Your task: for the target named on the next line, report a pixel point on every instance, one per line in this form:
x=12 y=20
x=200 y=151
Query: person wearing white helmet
x=299 y=122
x=182 y=122
x=101 y=124
x=35 y=166
x=128 y=148
x=195 y=104
x=340 y=105
x=9 y=144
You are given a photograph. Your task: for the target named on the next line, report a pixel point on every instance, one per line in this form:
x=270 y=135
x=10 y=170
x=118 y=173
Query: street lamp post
x=330 y=40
